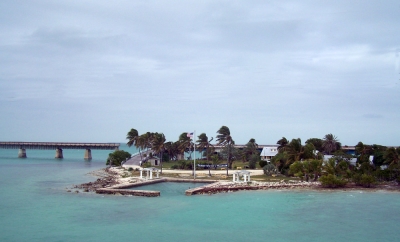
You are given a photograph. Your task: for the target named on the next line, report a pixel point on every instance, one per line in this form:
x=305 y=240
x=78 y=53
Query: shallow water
x=35 y=206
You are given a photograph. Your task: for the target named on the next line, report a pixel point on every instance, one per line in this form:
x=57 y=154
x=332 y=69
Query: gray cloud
x=264 y=69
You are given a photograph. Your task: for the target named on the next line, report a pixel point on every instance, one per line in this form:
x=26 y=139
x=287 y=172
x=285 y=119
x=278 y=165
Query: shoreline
x=113 y=177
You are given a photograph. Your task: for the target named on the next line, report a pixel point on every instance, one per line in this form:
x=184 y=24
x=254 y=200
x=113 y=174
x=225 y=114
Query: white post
x=151 y=175
x=244 y=177
x=234 y=177
x=141 y=174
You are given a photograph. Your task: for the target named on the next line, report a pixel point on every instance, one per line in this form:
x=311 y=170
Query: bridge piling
x=59 y=154
x=22 y=153
x=88 y=154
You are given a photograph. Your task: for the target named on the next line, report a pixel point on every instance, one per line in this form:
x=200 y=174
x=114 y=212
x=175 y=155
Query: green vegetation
x=117 y=157
x=369 y=165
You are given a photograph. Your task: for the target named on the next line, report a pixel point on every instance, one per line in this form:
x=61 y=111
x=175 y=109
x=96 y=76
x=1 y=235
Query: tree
x=204 y=144
x=224 y=138
x=330 y=143
x=254 y=159
x=172 y=149
x=363 y=152
x=185 y=144
x=251 y=149
x=295 y=150
x=306 y=169
x=282 y=144
x=281 y=161
x=316 y=142
x=133 y=139
x=117 y=157
x=158 y=146
x=391 y=157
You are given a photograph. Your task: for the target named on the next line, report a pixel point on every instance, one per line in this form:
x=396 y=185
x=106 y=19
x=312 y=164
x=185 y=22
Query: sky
x=89 y=71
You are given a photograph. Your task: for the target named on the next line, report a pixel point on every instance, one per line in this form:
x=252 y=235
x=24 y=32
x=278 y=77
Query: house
x=154 y=161
x=268 y=152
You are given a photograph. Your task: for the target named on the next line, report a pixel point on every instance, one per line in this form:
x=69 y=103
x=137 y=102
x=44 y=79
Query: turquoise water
x=34 y=206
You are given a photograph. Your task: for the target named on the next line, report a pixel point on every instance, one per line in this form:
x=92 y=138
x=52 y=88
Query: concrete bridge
x=58 y=147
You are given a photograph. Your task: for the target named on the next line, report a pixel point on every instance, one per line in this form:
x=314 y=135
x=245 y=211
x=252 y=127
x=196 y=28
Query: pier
x=58 y=147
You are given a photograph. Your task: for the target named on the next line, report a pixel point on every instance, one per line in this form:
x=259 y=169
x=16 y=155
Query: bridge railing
x=58 y=145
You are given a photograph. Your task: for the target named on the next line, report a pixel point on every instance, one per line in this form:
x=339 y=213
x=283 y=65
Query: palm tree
x=172 y=149
x=224 y=138
x=295 y=150
x=330 y=143
x=204 y=143
x=363 y=151
x=185 y=143
x=251 y=148
x=282 y=144
x=391 y=157
x=158 y=145
x=133 y=139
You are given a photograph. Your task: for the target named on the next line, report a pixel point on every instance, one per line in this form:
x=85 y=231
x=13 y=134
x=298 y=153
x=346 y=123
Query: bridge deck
x=58 y=145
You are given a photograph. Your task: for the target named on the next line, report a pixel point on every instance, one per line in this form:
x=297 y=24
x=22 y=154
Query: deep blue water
x=34 y=206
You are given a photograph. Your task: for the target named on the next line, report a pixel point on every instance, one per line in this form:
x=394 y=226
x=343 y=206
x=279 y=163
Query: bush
x=332 y=181
x=185 y=165
x=262 y=163
x=117 y=157
x=367 y=180
x=130 y=169
x=173 y=167
x=269 y=169
x=253 y=161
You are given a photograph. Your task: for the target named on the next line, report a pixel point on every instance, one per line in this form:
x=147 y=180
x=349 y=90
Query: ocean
x=35 y=206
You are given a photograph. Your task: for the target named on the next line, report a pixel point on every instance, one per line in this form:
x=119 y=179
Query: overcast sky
x=89 y=71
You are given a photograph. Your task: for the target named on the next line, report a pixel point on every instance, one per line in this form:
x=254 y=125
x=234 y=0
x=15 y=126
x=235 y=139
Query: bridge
x=58 y=147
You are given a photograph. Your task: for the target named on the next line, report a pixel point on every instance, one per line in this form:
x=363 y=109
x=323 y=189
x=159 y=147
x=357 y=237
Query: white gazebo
x=149 y=173
x=244 y=174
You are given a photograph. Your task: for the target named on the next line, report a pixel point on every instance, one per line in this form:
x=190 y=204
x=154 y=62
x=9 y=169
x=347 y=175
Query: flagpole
x=194 y=157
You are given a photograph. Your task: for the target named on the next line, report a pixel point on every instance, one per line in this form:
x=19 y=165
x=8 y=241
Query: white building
x=268 y=152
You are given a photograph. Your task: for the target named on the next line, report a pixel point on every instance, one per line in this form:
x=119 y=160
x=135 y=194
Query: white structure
x=268 y=152
x=149 y=173
x=245 y=174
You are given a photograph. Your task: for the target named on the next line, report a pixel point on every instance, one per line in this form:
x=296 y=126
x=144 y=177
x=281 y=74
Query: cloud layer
x=91 y=70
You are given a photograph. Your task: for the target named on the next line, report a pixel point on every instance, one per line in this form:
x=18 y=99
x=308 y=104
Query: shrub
x=173 y=167
x=367 y=180
x=269 y=169
x=130 y=169
x=253 y=161
x=262 y=163
x=117 y=157
x=332 y=181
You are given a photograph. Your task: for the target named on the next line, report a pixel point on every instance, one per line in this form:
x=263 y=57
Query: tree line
x=368 y=165
x=305 y=161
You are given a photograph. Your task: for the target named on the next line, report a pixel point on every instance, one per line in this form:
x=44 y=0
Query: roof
x=242 y=172
x=269 y=151
x=151 y=169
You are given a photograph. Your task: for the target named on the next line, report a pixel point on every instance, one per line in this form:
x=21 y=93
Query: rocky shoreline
x=108 y=178
x=114 y=177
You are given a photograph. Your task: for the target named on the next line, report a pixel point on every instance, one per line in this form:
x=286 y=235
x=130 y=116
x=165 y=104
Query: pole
x=194 y=157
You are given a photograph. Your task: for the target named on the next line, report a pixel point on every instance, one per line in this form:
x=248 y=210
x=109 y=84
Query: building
x=268 y=152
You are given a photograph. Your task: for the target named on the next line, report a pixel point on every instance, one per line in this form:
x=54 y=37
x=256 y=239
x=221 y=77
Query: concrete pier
x=59 y=154
x=88 y=154
x=22 y=153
